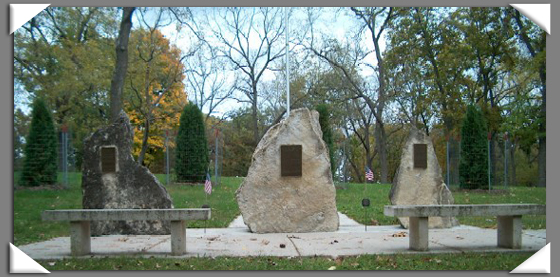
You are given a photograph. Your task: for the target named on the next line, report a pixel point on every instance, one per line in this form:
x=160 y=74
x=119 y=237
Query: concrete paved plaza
x=237 y=241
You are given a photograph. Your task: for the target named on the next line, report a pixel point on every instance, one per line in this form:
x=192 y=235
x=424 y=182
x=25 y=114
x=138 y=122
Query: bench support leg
x=80 y=238
x=418 y=232
x=178 y=238
x=509 y=231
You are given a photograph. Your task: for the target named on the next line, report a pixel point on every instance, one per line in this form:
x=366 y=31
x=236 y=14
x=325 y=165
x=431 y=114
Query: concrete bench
x=80 y=233
x=509 y=220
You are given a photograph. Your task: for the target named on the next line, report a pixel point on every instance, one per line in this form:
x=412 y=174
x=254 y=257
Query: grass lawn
x=348 y=201
x=28 y=228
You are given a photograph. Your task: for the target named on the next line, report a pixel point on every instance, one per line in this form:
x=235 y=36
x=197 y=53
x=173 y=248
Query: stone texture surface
x=132 y=186
x=270 y=203
x=416 y=186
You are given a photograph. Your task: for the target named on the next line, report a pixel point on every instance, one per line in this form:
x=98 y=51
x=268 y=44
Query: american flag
x=208 y=185
x=369 y=174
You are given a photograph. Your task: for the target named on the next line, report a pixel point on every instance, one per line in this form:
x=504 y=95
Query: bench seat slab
x=465 y=210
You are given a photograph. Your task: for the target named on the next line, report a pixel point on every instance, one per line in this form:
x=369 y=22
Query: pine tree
x=40 y=161
x=191 y=158
x=473 y=167
x=324 y=115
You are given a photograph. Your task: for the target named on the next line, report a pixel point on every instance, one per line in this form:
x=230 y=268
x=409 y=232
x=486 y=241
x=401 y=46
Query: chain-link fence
x=66 y=156
x=508 y=165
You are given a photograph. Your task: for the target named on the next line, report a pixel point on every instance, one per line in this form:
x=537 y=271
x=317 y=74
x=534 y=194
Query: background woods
x=373 y=70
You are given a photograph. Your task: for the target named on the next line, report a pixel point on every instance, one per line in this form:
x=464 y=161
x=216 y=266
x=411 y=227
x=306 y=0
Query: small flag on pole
x=369 y=174
x=208 y=185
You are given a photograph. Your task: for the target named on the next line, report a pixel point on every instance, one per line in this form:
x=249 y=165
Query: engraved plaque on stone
x=420 y=156
x=108 y=160
x=290 y=160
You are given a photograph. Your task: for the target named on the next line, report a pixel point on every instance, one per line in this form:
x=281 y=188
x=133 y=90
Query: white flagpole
x=287 y=63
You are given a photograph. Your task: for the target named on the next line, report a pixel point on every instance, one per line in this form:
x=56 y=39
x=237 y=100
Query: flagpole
x=206 y=194
x=287 y=63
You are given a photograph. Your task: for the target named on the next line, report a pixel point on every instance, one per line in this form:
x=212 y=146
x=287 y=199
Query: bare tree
x=251 y=39
x=207 y=79
x=374 y=20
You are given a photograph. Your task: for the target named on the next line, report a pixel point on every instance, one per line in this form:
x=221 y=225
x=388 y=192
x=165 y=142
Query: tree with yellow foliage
x=154 y=92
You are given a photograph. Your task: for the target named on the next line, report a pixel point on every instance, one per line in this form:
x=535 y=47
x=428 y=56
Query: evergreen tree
x=473 y=166
x=40 y=162
x=191 y=158
x=324 y=115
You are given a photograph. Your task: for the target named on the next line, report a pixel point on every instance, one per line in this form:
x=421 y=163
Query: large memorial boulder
x=289 y=186
x=418 y=180
x=112 y=179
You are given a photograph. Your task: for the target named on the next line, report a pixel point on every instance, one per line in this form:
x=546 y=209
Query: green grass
x=28 y=228
x=528 y=195
x=467 y=261
x=28 y=204
x=222 y=201
x=349 y=202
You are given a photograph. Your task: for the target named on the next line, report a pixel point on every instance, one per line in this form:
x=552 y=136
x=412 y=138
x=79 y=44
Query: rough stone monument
x=112 y=179
x=418 y=180
x=289 y=186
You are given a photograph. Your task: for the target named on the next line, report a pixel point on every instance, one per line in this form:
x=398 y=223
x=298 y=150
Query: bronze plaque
x=108 y=159
x=290 y=160
x=420 y=156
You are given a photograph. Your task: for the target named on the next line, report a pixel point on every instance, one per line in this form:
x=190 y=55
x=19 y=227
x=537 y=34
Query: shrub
x=191 y=158
x=473 y=166
x=40 y=161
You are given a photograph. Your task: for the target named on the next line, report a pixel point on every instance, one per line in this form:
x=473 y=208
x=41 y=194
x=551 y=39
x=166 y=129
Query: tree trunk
x=381 y=145
x=255 y=116
x=380 y=135
x=357 y=171
x=121 y=64
x=542 y=163
x=148 y=115
x=542 y=131
x=144 y=141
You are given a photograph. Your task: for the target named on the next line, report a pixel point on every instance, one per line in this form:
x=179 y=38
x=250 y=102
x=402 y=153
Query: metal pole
x=66 y=159
x=505 y=159
x=447 y=165
x=167 y=157
x=489 y=163
x=365 y=218
x=216 y=157
x=287 y=63
x=64 y=138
